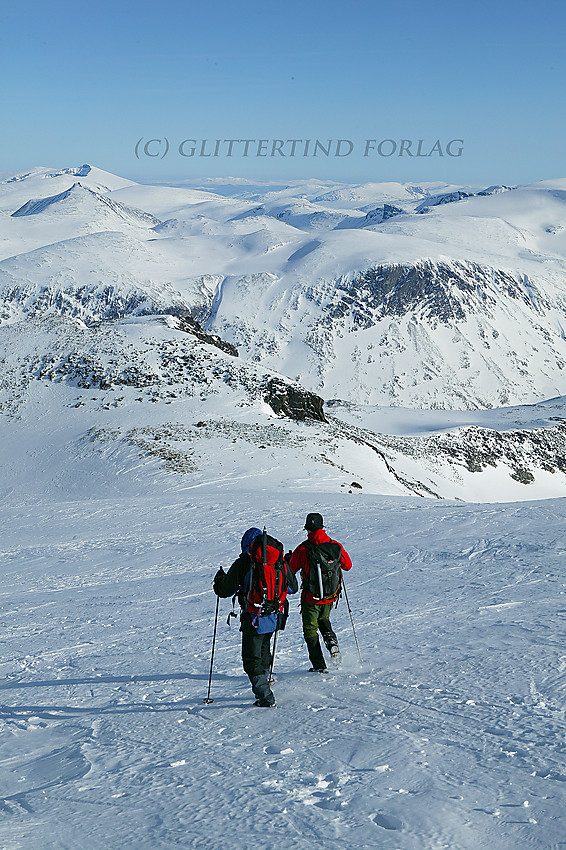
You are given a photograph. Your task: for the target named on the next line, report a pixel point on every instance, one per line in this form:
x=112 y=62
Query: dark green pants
x=317 y=618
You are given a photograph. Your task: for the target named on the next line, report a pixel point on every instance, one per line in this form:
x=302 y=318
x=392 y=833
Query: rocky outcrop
x=381 y=214
x=293 y=401
x=524 y=453
x=445 y=198
x=191 y=326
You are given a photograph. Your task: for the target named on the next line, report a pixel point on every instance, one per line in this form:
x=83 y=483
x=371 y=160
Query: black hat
x=313 y=521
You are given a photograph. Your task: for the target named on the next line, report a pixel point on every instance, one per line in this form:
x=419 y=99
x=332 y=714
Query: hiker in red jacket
x=321 y=561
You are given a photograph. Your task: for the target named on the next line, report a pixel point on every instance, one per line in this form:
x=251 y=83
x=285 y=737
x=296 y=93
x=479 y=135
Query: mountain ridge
x=462 y=307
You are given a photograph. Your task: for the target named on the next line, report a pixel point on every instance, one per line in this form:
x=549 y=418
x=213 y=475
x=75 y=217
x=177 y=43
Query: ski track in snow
x=450 y=734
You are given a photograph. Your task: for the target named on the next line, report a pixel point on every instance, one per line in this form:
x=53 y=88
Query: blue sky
x=84 y=82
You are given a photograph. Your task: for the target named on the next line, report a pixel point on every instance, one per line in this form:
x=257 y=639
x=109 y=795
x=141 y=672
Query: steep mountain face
x=451 y=326
x=429 y=334
x=381 y=214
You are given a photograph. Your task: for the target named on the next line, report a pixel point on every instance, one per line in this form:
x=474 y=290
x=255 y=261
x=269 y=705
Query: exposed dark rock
x=440 y=291
x=446 y=198
x=475 y=449
x=495 y=190
x=92 y=305
x=191 y=326
x=382 y=213
x=293 y=401
x=458 y=195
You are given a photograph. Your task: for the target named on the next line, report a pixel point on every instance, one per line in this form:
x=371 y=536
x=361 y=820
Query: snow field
x=450 y=734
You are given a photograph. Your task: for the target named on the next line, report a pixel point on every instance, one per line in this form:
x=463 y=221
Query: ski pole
x=270 y=680
x=208 y=700
x=352 y=619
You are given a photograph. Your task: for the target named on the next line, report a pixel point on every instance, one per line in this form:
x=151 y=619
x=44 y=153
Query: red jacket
x=300 y=561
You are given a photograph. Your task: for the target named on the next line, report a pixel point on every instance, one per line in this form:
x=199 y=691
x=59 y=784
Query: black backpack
x=325 y=572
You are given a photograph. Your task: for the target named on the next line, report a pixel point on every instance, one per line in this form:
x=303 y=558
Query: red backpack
x=266 y=589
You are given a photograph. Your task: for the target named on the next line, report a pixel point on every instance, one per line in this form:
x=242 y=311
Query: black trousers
x=256 y=658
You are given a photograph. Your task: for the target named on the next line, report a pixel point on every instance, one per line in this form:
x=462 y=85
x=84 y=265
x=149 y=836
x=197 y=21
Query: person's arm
x=292 y=583
x=227 y=584
x=298 y=559
x=345 y=561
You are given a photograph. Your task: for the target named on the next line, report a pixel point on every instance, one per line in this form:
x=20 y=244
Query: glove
x=218 y=578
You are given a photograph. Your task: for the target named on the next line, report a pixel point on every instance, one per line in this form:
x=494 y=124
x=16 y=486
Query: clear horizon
x=129 y=88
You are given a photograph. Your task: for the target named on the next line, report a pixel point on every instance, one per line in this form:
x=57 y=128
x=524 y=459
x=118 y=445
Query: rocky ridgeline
x=522 y=451
x=89 y=304
x=177 y=445
x=472 y=449
x=164 y=366
x=439 y=292
x=191 y=326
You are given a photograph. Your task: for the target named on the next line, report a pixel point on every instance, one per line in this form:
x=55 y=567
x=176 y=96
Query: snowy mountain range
x=379 y=295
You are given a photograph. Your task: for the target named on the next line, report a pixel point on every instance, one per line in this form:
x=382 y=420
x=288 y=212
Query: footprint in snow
x=387 y=821
x=277 y=751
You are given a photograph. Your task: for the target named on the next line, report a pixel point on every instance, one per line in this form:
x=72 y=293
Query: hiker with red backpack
x=261 y=580
x=320 y=561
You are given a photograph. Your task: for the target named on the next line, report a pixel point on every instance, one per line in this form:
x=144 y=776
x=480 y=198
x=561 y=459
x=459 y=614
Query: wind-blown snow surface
x=451 y=733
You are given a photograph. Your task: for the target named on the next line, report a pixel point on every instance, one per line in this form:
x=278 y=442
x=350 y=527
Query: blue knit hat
x=248 y=537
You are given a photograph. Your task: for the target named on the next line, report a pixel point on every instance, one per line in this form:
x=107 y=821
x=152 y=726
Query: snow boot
x=335 y=656
x=261 y=689
x=328 y=636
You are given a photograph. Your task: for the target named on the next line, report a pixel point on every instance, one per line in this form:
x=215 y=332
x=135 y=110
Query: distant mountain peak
x=78 y=193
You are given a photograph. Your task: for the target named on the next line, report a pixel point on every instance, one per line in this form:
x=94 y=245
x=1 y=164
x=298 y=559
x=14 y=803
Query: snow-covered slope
x=143 y=385
x=96 y=277
x=353 y=312
x=449 y=734
x=87 y=203
x=40 y=182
